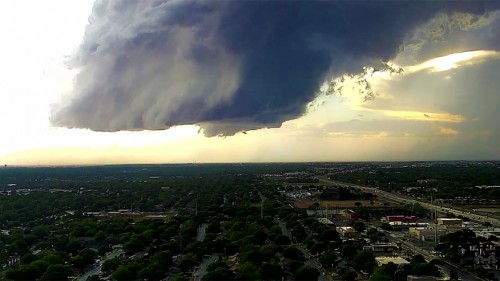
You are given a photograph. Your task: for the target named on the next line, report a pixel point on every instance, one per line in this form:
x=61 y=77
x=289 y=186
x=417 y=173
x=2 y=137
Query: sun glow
x=452 y=61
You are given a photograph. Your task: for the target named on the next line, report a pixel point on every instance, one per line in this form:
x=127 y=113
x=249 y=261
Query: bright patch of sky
x=443 y=107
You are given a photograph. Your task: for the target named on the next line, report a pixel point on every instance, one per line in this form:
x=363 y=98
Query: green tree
x=328 y=259
x=359 y=226
x=57 y=272
x=380 y=275
x=425 y=269
x=248 y=271
x=271 y=271
x=123 y=272
x=329 y=235
x=153 y=271
x=306 y=273
x=293 y=253
x=218 y=270
x=348 y=251
x=364 y=260
x=348 y=275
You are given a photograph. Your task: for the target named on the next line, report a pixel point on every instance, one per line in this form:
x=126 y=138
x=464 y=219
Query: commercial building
x=449 y=221
x=383 y=249
x=395 y=260
x=336 y=193
x=425 y=233
x=405 y=219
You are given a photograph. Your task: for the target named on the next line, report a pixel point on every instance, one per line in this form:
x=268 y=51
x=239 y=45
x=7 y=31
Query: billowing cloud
x=233 y=65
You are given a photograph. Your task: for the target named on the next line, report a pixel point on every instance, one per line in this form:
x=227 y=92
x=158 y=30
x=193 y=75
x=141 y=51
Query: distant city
x=269 y=221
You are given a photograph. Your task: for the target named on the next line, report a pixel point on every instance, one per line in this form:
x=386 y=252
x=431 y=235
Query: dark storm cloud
x=231 y=65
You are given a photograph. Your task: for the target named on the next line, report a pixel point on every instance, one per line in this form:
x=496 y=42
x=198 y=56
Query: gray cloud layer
x=230 y=66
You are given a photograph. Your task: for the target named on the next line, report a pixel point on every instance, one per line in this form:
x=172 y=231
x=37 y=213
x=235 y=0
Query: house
x=486 y=254
x=346 y=232
x=350 y=214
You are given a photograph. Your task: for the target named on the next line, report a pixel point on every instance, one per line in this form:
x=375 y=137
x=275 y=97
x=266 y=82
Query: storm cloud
x=228 y=65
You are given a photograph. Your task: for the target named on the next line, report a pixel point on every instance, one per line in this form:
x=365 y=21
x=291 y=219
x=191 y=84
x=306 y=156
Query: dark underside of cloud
x=227 y=65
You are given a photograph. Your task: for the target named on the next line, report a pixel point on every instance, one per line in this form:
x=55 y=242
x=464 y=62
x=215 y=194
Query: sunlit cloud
x=453 y=61
x=447 y=131
x=425 y=116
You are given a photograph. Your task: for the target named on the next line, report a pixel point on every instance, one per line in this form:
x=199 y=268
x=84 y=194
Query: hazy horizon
x=117 y=82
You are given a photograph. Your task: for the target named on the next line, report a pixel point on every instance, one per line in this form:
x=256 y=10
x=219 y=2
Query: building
x=336 y=193
x=486 y=254
x=350 y=214
x=406 y=225
x=346 y=232
x=404 y=219
x=425 y=233
x=420 y=278
x=383 y=249
x=395 y=260
x=325 y=221
x=449 y=221
x=322 y=212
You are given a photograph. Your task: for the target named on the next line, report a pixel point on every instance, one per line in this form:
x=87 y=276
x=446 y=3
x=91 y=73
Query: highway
x=445 y=267
x=400 y=199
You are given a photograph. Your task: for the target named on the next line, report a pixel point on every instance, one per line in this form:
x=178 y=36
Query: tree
x=187 y=262
x=348 y=251
x=163 y=258
x=329 y=235
x=328 y=259
x=248 y=271
x=57 y=272
x=306 y=273
x=293 y=253
x=348 y=275
x=122 y=273
x=271 y=271
x=111 y=265
x=380 y=275
x=425 y=269
x=282 y=240
x=133 y=245
x=364 y=260
x=153 y=271
x=417 y=259
x=359 y=226
x=218 y=270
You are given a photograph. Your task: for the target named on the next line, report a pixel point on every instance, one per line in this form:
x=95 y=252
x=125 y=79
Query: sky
x=124 y=82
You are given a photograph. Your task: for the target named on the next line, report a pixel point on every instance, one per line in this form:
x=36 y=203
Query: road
x=97 y=269
x=465 y=275
x=309 y=259
x=202 y=268
x=202 y=232
x=446 y=267
x=400 y=199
